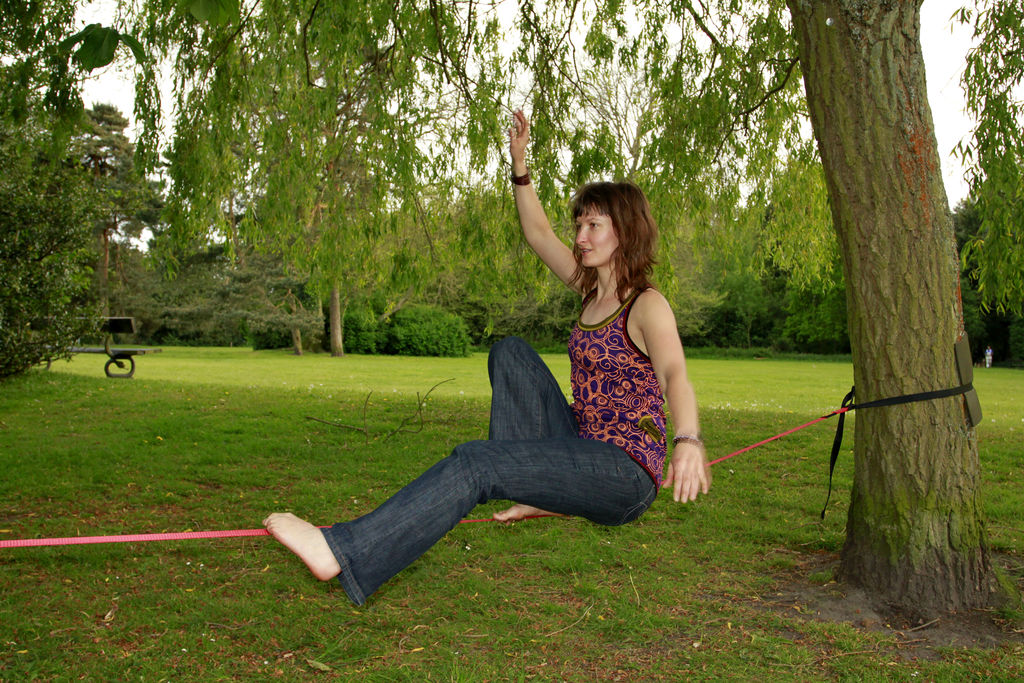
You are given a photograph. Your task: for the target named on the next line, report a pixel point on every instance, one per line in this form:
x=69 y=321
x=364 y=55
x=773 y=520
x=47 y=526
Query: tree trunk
x=337 y=320
x=915 y=535
x=297 y=340
x=104 y=270
x=236 y=249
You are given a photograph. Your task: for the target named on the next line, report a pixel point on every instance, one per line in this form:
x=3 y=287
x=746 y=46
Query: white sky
x=944 y=44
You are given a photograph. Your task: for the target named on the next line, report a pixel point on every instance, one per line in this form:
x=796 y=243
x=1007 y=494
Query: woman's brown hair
x=634 y=226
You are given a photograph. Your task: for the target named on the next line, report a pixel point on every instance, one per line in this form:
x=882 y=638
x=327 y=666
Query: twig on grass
x=824 y=658
x=419 y=412
x=214 y=624
x=365 y=430
x=923 y=626
x=910 y=642
x=334 y=424
x=566 y=628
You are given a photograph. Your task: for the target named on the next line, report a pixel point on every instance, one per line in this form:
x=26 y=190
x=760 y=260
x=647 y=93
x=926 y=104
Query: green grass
x=216 y=438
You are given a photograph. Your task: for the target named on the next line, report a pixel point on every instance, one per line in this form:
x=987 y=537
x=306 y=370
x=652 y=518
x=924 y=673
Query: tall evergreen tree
x=128 y=201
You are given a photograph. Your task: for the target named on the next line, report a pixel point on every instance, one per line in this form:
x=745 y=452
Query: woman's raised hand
x=518 y=139
x=536 y=228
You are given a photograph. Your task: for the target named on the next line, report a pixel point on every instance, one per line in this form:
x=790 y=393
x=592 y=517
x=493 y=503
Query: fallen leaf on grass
x=320 y=666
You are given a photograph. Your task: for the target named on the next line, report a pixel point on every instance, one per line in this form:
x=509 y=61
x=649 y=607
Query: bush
x=361 y=330
x=543 y=321
x=425 y=331
x=265 y=338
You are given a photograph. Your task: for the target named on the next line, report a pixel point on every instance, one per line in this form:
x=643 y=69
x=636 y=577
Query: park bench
x=117 y=357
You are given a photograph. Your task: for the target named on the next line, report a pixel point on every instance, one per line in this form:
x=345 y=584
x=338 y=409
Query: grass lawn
x=216 y=438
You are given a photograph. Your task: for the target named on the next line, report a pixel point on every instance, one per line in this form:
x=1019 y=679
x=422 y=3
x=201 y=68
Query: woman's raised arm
x=536 y=229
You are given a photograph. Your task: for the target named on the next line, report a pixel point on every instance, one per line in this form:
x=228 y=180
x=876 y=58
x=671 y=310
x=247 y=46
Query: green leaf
x=98 y=47
x=319 y=666
x=135 y=46
x=71 y=41
x=214 y=12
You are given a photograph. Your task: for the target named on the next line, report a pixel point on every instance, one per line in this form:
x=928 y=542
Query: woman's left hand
x=688 y=472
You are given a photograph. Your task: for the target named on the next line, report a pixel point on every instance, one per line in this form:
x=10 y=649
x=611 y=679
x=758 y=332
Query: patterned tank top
x=617 y=398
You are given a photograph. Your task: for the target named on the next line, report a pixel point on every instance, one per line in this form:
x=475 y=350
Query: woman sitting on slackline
x=601 y=457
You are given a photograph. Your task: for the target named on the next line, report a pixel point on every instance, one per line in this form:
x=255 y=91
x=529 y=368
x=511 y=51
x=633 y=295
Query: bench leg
x=118 y=362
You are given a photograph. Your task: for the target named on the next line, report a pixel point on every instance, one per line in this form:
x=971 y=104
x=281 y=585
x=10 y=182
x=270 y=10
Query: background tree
x=995 y=153
x=749 y=310
x=190 y=307
x=987 y=326
x=129 y=202
x=216 y=299
x=270 y=299
x=35 y=76
x=312 y=116
x=799 y=242
x=46 y=209
x=41 y=66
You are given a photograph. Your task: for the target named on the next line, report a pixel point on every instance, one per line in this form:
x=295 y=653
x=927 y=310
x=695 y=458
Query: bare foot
x=306 y=541
x=520 y=511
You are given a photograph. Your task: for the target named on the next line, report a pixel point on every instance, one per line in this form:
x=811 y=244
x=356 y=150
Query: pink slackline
x=172 y=536
x=751 y=447
x=234 y=533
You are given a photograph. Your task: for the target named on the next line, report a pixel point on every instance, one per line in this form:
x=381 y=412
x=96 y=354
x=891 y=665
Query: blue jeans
x=533 y=456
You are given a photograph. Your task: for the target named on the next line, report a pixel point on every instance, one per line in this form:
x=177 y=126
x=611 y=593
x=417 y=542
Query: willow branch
x=231 y=39
x=697 y=19
x=773 y=90
x=742 y=114
x=305 y=48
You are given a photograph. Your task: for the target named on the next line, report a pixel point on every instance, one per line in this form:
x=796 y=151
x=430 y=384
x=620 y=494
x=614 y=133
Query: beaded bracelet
x=688 y=438
x=521 y=179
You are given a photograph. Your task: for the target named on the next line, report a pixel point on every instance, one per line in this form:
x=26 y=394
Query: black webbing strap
x=849 y=405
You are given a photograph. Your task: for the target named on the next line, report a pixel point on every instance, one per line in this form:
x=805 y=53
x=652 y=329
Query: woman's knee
x=505 y=354
x=508 y=346
x=472 y=460
x=469 y=457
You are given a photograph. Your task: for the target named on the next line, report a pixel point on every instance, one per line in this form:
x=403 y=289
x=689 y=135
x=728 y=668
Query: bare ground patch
x=839 y=603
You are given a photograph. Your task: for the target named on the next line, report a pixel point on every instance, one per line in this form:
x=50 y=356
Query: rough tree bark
x=915 y=534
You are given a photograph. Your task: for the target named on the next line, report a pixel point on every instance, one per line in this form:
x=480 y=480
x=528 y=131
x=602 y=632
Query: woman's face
x=596 y=239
